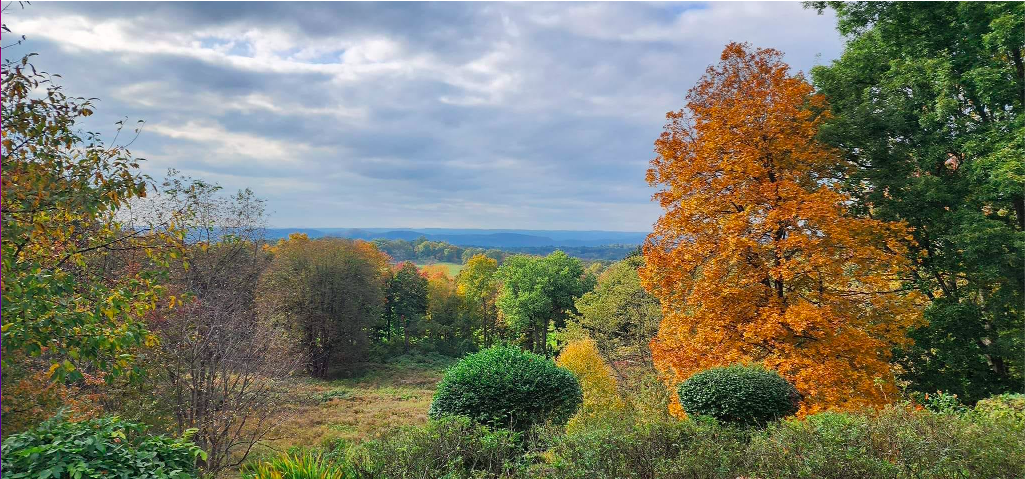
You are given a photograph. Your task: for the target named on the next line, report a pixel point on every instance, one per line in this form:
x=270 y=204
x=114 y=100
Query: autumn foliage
x=601 y=396
x=755 y=258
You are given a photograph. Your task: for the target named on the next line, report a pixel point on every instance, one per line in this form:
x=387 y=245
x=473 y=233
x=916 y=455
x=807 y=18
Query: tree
x=407 y=302
x=619 y=314
x=756 y=258
x=217 y=364
x=64 y=199
x=537 y=292
x=926 y=103
x=478 y=285
x=449 y=328
x=327 y=293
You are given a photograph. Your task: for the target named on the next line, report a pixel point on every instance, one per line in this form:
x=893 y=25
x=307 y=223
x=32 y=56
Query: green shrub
x=306 y=465
x=897 y=442
x=1010 y=406
x=106 y=447
x=631 y=448
x=449 y=447
x=747 y=395
x=504 y=386
x=941 y=402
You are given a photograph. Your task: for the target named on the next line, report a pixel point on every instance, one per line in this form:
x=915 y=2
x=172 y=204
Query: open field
x=451 y=269
x=321 y=412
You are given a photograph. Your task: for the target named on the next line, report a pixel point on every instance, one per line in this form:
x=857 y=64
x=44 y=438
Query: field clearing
x=451 y=269
x=320 y=412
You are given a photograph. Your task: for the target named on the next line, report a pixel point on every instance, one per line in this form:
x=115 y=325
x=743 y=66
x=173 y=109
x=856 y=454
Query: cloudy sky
x=462 y=115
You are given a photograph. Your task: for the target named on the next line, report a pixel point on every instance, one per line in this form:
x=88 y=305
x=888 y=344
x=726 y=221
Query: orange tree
x=756 y=258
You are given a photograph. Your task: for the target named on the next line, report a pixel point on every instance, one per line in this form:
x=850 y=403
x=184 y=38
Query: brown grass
x=320 y=412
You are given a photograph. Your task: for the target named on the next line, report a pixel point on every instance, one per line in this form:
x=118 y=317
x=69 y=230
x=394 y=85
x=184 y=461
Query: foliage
x=478 y=285
x=926 y=103
x=328 y=293
x=747 y=395
x=301 y=466
x=449 y=447
x=103 y=447
x=65 y=200
x=1009 y=406
x=406 y=303
x=756 y=258
x=504 y=386
x=449 y=327
x=619 y=314
x=941 y=402
x=29 y=398
x=538 y=292
x=895 y=443
x=601 y=397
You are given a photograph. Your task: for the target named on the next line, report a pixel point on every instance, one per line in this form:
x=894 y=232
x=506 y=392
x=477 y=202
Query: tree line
x=422 y=250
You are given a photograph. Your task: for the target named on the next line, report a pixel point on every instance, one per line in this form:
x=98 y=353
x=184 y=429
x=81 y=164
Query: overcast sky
x=462 y=115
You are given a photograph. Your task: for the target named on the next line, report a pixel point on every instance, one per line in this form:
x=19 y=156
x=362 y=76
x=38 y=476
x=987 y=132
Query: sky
x=457 y=115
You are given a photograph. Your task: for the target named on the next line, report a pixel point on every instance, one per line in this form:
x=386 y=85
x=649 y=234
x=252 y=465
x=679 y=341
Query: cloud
x=492 y=115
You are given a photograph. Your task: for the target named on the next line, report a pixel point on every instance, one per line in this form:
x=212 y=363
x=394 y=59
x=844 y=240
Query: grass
x=451 y=269
x=320 y=412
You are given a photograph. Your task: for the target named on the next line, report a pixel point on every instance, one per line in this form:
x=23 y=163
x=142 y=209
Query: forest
x=834 y=288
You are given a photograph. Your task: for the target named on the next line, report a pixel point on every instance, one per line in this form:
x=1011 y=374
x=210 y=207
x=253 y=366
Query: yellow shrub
x=601 y=398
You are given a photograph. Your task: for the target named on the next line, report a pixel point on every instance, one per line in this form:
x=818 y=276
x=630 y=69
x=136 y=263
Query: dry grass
x=320 y=412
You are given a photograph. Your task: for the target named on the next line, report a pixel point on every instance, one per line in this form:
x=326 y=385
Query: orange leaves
x=755 y=257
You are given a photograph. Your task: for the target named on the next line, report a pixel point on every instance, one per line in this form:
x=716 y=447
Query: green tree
x=327 y=293
x=78 y=274
x=407 y=302
x=539 y=292
x=619 y=314
x=478 y=286
x=927 y=101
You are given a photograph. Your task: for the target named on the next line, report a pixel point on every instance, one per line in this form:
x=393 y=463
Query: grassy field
x=321 y=412
x=452 y=269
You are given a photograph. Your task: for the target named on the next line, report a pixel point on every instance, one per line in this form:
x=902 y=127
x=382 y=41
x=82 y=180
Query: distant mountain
x=475 y=237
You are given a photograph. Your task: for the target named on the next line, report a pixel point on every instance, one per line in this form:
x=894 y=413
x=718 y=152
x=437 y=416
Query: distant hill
x=476 y=237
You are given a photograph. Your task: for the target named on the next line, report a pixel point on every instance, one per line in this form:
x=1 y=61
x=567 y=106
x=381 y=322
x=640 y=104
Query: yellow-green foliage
x=596 y=379
x=302 y=466
x=1001 y=406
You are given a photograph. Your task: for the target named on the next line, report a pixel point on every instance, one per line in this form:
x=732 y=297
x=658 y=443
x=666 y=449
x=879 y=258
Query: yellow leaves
x=601 y=396
x=171 y=301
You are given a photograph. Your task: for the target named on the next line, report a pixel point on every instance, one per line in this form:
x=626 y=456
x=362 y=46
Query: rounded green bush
x=748 y=395
x=504 y=386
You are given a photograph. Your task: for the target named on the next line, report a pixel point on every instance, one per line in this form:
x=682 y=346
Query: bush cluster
x=896 y=443
x=504 y=386
x=103 y=447
x=747 y=395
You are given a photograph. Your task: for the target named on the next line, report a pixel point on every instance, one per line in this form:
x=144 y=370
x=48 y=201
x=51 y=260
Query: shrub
x=601 y=397
x=103 y=447
x=306 y=465
x=1010 y=406
x=942 y=402
x=747 y=395
x=897 y=442
x=504 y=386
x=449 y=447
